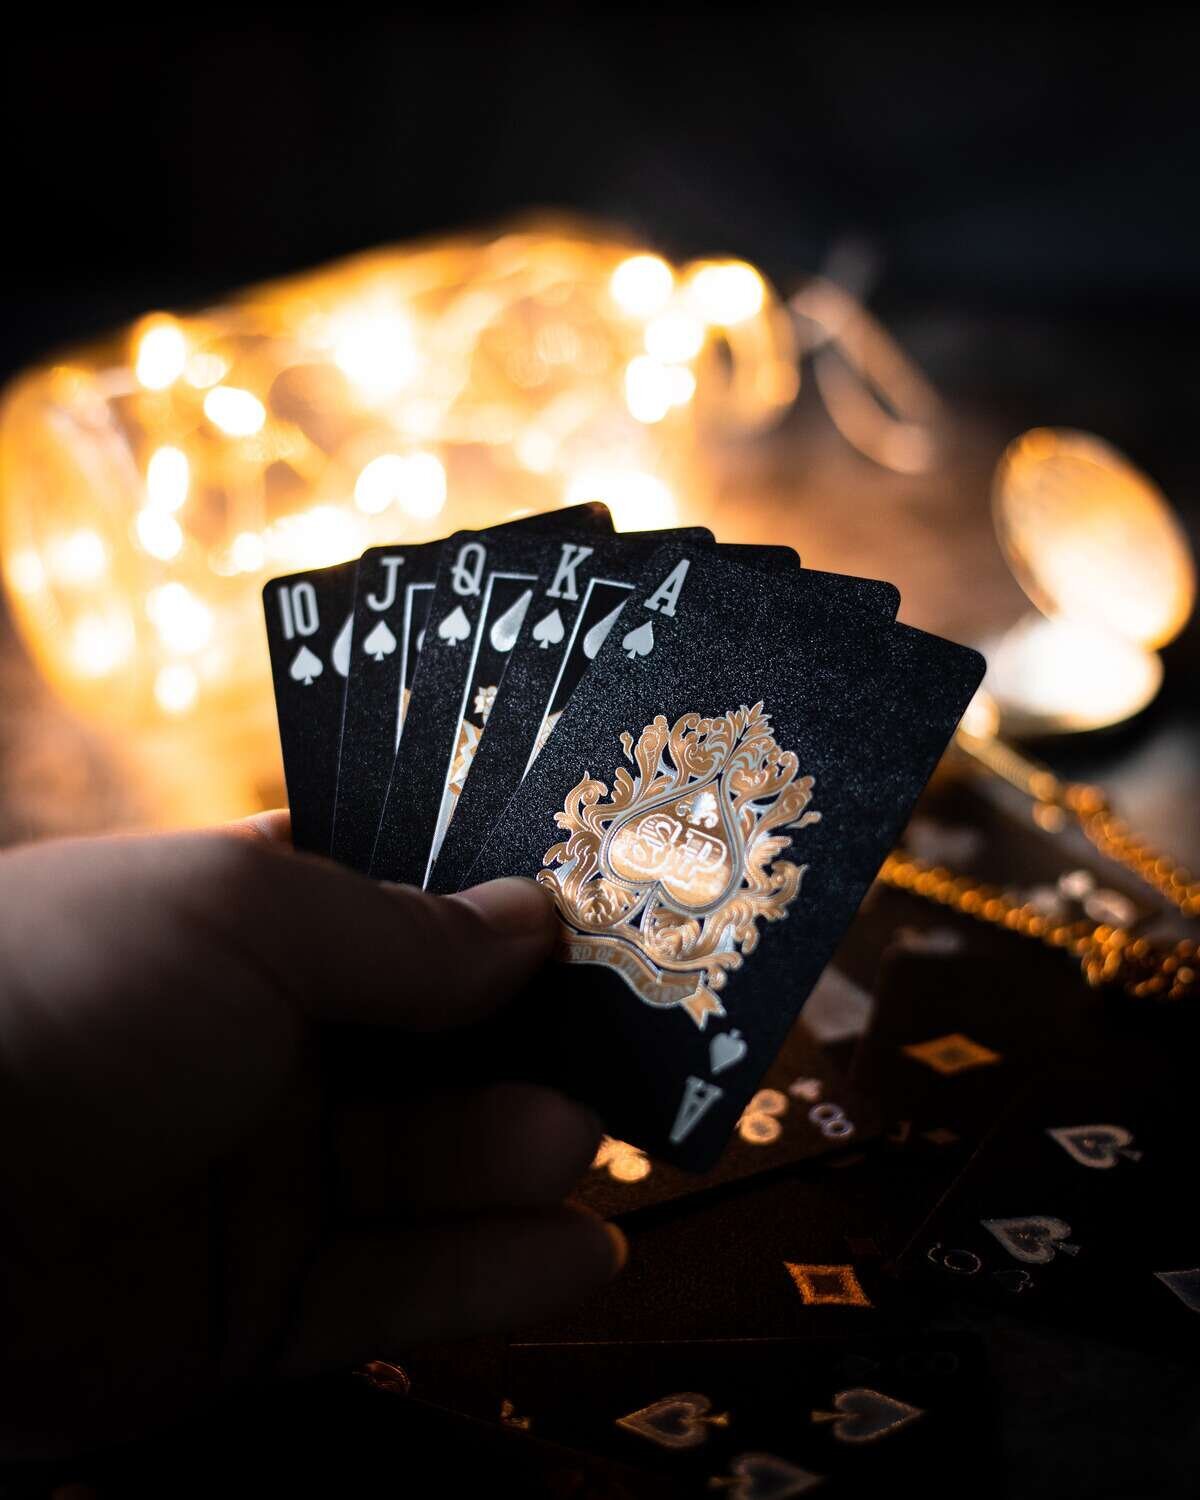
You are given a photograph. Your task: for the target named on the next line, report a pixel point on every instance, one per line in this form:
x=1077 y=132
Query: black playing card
x=391 y=600
x=485 y=587
x=770 y=1417
x=1076 y=1208
x=805 y=1109
x=309 y=623
x=733 y=718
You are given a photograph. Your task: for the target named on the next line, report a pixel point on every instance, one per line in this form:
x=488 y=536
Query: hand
x=194 y=1193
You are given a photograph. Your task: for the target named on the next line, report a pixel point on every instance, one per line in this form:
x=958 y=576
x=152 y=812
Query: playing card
x=485 y=587
x=769 y=1417
x=391 y=601
x=804 y=1110
x=309 y=625
x=1074 y=1208
x=743 y=751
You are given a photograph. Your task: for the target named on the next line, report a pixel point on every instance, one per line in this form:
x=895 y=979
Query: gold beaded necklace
x=1107 y=955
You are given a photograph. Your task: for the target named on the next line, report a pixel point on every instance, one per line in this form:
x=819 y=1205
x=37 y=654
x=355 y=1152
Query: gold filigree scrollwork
x=666 y=878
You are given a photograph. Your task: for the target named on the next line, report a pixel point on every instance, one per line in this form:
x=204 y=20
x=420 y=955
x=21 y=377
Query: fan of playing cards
x=703 y=750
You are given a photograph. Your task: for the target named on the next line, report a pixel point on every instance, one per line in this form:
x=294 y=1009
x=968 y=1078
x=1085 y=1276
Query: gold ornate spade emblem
x=666 y=879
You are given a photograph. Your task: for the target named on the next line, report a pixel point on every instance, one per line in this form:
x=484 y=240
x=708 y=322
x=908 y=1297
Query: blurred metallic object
x=1097 y=548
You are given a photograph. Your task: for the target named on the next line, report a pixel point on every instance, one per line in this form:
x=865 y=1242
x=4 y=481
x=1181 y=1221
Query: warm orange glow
x=153 y=482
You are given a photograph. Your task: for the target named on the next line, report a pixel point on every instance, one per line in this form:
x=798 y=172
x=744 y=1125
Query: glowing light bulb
x=236 y=412
x=682 y=384
x=161 y=356
x=176 y=688
x=414 y=481
x=167 y=478
x=204 y=369
x=184 y=623
x=99 y=644
x=638 y=501
x=247 y=552
x=648 y=389
x=727 y=292
x=80 y=557
x=376 y=351
x=674 y=337
x=642 y=285
x=159 y=533
x=26 y=572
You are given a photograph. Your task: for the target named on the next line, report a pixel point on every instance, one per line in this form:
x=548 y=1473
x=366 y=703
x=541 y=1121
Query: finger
x=509 y=1145
x=345 y=948
x=274 y=826
x=374 y=1293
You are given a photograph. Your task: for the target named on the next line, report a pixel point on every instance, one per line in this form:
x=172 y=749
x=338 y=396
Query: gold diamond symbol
x=827 y=1285
x=954 y=1053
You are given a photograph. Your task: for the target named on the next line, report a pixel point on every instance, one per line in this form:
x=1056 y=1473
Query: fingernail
x=620 y=1247
x=512 y=907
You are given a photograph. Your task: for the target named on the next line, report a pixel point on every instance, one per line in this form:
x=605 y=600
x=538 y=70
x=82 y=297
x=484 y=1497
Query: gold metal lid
x=1090 y=538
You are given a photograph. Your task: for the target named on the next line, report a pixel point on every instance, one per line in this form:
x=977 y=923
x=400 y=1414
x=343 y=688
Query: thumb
x=347 y=948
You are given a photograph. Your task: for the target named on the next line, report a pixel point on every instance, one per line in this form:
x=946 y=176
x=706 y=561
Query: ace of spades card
x=714 y=802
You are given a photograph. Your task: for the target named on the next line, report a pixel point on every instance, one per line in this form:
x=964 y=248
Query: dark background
x=1024 y=161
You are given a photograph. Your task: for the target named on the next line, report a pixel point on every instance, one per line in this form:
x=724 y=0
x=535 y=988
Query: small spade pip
x=305 y=666
x=380 y=642
x=455 y=627
x=549 y=630
x=639 y=642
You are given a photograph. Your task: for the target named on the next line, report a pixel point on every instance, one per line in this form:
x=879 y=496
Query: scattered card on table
x=771 y=1417
x=804 y=1110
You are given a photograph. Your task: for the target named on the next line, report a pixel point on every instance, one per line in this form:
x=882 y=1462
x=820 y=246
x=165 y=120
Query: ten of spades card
x=309 y=626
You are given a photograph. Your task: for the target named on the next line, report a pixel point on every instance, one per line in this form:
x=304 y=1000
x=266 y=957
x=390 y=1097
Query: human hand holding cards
x=702 y=752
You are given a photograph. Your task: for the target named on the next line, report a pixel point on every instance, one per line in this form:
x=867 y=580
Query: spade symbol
x=1096 y=1145
x=1035 y=1239
x=639 y=642
x=598 y=634
x=725 y=1049
x=380 y=642
x=679 y=1421
x=549 y=632
x=455 y=627
x=508 y=627
x=306 y=666
x=340 y=656
x=862 y=1415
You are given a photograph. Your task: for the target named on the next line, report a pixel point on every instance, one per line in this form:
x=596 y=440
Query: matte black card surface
x=309 y=624
x=709 y=812
x=391 y=600
x=804 y=1110
x=774 y=1417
